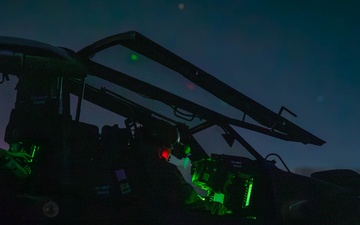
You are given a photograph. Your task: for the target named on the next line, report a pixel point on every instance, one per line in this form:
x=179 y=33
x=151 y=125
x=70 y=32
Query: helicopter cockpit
x=66 y=166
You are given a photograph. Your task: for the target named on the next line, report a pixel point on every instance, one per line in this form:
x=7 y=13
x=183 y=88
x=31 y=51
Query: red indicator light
x=165 y=153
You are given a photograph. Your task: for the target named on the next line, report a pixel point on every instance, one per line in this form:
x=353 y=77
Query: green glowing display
x=35 y=148
x=249 y=190
x=218 y=197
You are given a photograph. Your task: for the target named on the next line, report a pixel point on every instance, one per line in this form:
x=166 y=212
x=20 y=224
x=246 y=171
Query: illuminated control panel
x=226 y=182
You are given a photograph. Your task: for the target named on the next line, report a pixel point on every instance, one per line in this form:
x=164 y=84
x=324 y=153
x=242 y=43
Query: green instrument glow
x=248 y=186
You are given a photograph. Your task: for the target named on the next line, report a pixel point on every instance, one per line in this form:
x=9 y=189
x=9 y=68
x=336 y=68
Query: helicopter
x=61 y=170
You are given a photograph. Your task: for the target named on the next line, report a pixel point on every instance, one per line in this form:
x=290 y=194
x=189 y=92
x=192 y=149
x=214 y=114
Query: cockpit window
x=143 y=68
x=218 y=144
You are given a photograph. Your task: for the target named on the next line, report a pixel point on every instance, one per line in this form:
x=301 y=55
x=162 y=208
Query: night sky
x=303 y=55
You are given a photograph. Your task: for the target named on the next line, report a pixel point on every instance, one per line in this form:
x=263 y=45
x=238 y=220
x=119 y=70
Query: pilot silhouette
x=165 y=179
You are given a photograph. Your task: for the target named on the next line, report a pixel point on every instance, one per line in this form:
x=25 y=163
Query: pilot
x=166 y=181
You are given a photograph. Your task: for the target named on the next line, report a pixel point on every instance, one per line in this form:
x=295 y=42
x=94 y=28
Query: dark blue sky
x=300 y=54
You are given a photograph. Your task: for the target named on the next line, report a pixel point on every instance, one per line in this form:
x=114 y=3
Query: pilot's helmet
x=162 y=135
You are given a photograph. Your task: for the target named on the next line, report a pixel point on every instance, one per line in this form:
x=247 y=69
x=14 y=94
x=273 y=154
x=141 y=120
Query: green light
x=187 y=149
x=35 y=148
x=201 y=198
x=251 y=217
x=186 y=162
x=218 y=197
x=134 y=57
x=248 y=195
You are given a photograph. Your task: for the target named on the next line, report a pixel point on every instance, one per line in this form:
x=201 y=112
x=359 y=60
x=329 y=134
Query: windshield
x=127 y=61
x=134 y=64
x=144 y=69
